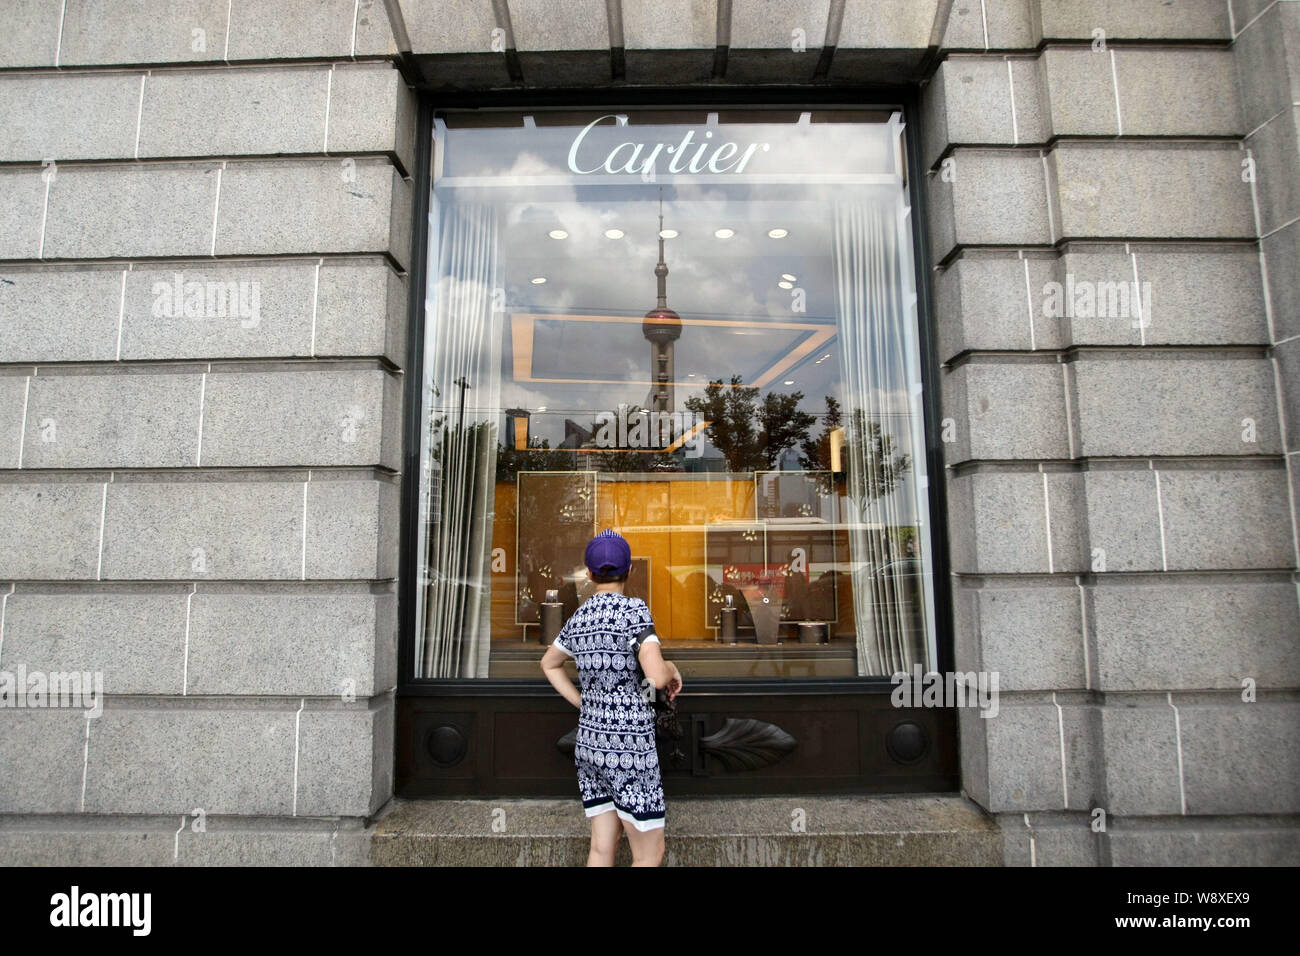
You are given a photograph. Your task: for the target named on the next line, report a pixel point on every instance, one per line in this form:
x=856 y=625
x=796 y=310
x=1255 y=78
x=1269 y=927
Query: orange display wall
x=665 y=518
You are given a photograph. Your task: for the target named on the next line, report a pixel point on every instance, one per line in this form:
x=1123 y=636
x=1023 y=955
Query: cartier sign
x=689 y=155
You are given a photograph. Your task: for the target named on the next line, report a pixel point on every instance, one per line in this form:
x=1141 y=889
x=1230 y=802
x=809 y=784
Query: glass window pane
x=702 y=334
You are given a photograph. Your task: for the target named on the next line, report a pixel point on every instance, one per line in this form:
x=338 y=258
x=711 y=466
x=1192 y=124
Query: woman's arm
x=553 y=668
x=658 y=671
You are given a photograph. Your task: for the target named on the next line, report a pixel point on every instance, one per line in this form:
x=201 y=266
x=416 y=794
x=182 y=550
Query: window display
x=699 y=330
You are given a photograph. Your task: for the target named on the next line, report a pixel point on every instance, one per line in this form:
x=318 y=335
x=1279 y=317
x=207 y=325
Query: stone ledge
x=944 y=830
x=65 y=840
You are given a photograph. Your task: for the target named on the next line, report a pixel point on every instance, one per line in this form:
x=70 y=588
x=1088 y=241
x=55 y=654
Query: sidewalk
x=727 y=831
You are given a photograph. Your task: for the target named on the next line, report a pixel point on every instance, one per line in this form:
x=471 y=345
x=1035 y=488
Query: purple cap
x=609 y=554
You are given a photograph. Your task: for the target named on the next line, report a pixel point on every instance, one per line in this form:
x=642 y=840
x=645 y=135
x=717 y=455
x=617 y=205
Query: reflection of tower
x=661 y=327
x=517 y=428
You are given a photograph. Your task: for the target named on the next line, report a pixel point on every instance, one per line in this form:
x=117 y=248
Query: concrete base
x=770 y=831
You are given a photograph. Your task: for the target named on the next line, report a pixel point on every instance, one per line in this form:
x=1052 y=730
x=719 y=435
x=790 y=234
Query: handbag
x=665 y=709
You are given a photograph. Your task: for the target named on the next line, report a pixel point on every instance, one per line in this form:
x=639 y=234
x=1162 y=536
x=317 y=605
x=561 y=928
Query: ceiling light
x=788 y=278
x=789 y=381
x=613 y=233
x=777 y=233
x=667 y=233
x=539 y=280
x=725 y=233
x=541 y=408
x=786 y=285
x=558 y=234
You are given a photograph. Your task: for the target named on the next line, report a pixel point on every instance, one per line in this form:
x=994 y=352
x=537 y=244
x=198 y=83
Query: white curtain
x=887 y=543
x=462 y=368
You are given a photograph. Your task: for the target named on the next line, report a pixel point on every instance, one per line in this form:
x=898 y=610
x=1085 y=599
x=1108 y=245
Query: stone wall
x=1121 y=520
x=205 y=213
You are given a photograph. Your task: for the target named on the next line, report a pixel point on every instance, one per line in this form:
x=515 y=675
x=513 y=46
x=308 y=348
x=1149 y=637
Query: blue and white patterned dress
x=618 y=766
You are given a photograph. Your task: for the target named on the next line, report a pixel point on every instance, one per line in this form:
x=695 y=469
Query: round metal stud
x=907 y=742
x=446 y=745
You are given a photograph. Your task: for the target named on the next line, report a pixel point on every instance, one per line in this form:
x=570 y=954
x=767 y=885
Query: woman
x=618 y=766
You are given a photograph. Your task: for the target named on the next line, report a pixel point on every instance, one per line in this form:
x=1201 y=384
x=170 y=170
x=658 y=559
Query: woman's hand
x=675 y=682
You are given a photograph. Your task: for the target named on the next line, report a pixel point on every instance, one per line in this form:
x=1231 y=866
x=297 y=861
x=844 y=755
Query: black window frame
x=905 y=99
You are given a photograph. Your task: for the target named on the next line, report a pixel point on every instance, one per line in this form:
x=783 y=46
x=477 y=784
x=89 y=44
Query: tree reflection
x=751 y=435
x=868 y=445
x=538 y=456
x=817 y=452
x=752 y=432
x=865 y=441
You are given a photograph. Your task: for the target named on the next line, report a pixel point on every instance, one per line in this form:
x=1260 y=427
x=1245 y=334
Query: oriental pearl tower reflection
x=661 y=327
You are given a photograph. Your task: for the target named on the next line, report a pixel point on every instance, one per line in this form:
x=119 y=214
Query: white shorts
x=653 y=823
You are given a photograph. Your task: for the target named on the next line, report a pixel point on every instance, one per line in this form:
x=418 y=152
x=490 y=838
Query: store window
x=701 y=330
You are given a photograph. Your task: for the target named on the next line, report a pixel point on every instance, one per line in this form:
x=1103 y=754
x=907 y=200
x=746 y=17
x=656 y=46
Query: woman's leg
x=647 y=845
x=605 y=832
